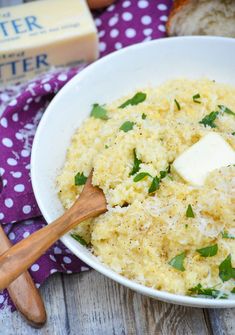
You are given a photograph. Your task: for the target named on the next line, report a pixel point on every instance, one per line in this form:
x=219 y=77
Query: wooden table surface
x=90 y=304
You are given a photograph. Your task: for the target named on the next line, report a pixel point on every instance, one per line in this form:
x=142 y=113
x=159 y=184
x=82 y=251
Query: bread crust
x=97 y=4
x=178 y=5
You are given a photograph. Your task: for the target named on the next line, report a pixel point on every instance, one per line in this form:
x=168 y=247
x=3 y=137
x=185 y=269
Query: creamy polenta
x=159 y=230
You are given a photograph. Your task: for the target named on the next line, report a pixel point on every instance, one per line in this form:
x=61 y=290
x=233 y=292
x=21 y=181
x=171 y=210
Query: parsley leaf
x=209 y=119
x=233 y=133
x=226 y=270
x=141 y=176
x=126 y=126
x=80 y=179
x=225 y=234
x=79 y=239
x=154 y=185
x=144 y=116
x=136 y=165
x=177 y=105
x=163 y=174
x=226 y=110
x=196 y=97
x=155 y=180
x=99 y=112
x=135 y=100
x=212 y=292
x=208 y=251
x=233 y=290
x=189 y=212
x=178 y=261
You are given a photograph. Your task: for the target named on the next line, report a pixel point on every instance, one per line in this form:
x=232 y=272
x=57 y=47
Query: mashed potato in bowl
x=159 y=230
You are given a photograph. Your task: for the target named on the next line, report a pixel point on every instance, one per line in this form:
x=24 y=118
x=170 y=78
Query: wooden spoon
x=18 y=258
x=24 y=294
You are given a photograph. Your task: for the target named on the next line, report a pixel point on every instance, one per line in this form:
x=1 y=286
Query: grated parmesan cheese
x=139 y=233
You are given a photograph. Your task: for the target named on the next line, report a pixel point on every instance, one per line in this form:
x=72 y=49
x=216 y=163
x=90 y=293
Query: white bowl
x=113 y=76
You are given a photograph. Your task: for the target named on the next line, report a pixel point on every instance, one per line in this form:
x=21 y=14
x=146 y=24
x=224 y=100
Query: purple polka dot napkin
x=21 y=108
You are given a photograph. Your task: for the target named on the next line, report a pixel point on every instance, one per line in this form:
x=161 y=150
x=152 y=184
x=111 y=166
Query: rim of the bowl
x=161 y=295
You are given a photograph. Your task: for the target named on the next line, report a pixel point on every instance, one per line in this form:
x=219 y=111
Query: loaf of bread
x=97 y=4
x=202 y=17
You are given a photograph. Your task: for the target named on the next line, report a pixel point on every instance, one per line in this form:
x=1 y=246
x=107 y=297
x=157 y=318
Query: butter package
x=42 y=34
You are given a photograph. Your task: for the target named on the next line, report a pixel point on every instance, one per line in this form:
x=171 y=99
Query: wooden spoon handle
x=18 y=258
x=24 y=294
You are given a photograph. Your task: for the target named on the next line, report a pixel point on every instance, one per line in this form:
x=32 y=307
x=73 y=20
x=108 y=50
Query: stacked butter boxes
x=42 y=34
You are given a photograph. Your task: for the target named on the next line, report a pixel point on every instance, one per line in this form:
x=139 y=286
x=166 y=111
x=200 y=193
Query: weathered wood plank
x=90 y=304
x=97 y=305
x=53 y=296
x=222 y=321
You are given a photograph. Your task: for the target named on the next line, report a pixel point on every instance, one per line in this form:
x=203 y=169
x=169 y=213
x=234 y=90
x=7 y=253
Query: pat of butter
x=42 y=34
x=209 y=153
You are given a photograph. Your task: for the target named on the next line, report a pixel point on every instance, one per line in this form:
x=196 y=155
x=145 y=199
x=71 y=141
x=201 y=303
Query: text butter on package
x=42 y=34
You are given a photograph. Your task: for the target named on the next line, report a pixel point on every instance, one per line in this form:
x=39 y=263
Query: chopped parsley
x=208 y=251
x=144 y=116
x=212 y=292
x=226 y=271
x=155 y=180
x=106 y=146
x=163 y=174
x=233 y=290
x=126 y=126
x=225 y=234
x=177 y=105
x=136 y=165
x=79 y=239
x=80 y=179
x=209 y=119
x=233 y=133
x=226 y=110
x=141 y=176
x=189 y=212
x=99 y=112
x=154 y=185
x=196 y=97
x=178 y=261
x=135 y=100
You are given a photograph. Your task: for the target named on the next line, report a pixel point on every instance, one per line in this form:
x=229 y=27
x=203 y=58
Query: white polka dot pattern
x=26 y=209
x=4 y=122
x=57 y=250
x=7 y=142
x=35 y=267
x=130 y=20
x=21 y=107
x=127 y=16
x=17 y=174
x=67 y=260
x=12 y=236
x=8 y=202
x=26 y=234
x=143 y=3
x=130 y=33
x=19 y=188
